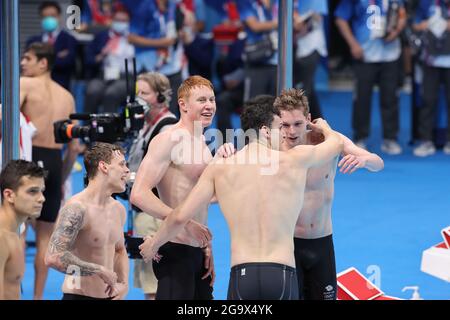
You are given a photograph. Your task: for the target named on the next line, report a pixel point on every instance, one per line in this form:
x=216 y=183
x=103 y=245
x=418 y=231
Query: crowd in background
x=234 y=43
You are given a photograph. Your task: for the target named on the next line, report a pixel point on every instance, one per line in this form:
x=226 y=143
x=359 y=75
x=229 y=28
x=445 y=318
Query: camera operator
x=154 y=89
x=44 y=101
x=433 y=18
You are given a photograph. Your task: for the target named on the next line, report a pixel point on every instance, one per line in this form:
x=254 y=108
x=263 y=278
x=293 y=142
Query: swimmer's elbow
x=381 y=165
x=135 y=197
x=51 y=261
x=378 y=164
x=339 y=144
x=54 y=261
x=179 y=219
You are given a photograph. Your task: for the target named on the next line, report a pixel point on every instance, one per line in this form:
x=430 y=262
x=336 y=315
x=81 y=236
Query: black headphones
x=160 y=98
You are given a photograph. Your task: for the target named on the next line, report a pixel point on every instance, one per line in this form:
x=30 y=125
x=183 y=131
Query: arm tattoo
x=63 y=239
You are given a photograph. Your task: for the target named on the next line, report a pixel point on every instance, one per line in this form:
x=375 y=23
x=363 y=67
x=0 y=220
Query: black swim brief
x=262 y=281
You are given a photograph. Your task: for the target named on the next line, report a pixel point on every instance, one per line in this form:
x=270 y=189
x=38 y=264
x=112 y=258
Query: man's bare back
x=100 y=231
x=13 y=265
x=261 y=209
x=44 y=101
x=251 y=203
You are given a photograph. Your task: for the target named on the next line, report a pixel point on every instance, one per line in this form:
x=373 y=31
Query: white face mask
x=144 y=104
x=120 y=27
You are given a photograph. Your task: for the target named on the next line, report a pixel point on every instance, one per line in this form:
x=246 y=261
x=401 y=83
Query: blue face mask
x=120 y=27
x=49 y=24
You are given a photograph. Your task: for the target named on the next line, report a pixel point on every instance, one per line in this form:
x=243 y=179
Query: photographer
x=374 y=43
x=154 y=89
x=433 y=19
x=44 y=101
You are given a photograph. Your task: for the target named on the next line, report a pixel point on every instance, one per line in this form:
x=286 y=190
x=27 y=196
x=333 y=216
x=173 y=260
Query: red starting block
x=352 y=285
x=446 y=235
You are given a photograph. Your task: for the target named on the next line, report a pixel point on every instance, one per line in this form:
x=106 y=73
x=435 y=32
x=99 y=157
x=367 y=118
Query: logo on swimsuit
x=242 y=272
x=330 y=293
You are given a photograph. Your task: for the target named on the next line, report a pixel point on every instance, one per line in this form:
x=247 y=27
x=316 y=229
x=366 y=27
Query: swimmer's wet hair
x=11 y=176
x=43 y=51
x=292 y=99
x=258 y=112
x=99 y=151
x=190 y=84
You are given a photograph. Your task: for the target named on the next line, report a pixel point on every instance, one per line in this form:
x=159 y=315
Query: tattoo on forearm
x=63 y=239
x=85 y=268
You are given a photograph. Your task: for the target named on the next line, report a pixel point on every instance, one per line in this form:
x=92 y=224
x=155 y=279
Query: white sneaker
x=362 y=144
x=447 y=148
x=391 y=147
x=424 y=149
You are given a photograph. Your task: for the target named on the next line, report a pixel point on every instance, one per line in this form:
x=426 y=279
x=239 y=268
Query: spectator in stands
x=106 y=54
x=64 y=44
x=310 y=47
x=230 y=70
x=97 y=15
x=436 y=71
x=376 y=49
x=198 y=46
x=260 y=21
x=155 y=25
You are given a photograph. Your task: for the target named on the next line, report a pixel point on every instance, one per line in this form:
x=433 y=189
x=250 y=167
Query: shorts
x=316 y=268
x=50 y=160
x=180 y=272
x=144 y=276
